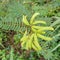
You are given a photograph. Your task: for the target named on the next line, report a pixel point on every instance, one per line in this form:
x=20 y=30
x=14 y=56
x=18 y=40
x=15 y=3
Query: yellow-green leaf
x=34 y=47
x=44 y=37
x=34 y=30
x=27 y=47
x=24 y=36
x=30 y=41
x=43 y=28
x=33 y=17
x=25 y=21
x=37 y=22
x=38 y=31
x=41 y=31
x=36 y=42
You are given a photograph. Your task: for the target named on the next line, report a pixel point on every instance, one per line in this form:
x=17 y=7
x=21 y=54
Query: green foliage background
x=11 y=12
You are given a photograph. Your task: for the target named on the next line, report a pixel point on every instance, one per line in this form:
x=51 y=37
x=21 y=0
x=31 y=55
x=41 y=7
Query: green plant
x=13 y=29
x=29 y=39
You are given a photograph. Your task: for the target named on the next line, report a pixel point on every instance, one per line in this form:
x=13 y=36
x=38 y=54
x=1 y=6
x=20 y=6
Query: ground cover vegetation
x=29 y=29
